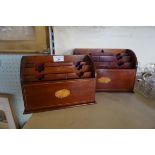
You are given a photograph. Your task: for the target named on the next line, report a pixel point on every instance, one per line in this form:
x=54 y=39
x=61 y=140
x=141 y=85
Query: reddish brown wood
x=115 y=68
x=42 y=95
x=121 y=79
x=48 y=85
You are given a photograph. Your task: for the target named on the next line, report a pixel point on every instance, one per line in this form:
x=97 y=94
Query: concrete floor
x=112 y=111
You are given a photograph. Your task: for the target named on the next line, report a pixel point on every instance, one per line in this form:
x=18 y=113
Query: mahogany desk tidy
x=115 y=68
x=53 y=82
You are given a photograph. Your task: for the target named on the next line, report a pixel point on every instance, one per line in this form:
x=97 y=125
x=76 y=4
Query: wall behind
x=140 y=39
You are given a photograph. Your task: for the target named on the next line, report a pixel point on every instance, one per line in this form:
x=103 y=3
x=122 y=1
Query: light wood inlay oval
x=104 y=80
x=62 y=93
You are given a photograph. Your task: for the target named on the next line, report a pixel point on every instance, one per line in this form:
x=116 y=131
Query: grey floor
x=112 y=111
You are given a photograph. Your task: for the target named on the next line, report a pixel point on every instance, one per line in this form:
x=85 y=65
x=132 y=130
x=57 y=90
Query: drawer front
x=58 y=94
x=115 y=79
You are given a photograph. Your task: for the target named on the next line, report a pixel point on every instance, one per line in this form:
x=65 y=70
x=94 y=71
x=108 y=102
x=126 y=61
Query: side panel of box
x=52 y=95
x=115 y=79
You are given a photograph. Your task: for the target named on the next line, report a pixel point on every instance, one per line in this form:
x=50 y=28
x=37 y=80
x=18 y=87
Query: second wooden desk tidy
x=115 y=68
x=48 y=84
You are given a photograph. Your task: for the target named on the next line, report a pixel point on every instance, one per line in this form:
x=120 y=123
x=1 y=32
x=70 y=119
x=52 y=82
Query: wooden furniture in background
x=7 y=108
x=51 y=83
x=115 y=68
x=27 y=39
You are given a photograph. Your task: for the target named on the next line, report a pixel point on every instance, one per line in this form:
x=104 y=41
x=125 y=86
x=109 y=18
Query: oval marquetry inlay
x=104 y=80
x=62 y=93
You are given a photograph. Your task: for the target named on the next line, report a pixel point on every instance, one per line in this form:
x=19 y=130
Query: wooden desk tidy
x=48 y=85
x=115 y=68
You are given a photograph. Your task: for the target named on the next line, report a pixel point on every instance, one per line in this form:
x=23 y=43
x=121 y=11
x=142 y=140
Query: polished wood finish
x=49 y=85
x=120 y=79
x=115 y=68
